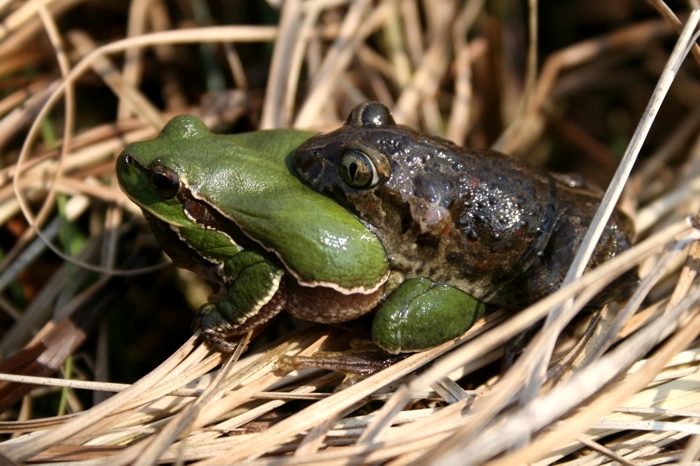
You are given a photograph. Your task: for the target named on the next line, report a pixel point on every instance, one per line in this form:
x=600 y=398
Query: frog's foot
x=219 y=343
x=215 y=330
x=228 y=318
x=363 y=359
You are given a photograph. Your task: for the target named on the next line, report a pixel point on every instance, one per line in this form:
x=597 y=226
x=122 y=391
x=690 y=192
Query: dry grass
x=619 y=386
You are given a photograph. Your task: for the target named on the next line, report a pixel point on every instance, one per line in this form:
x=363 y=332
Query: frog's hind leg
x=546 y=274
x=549 y=266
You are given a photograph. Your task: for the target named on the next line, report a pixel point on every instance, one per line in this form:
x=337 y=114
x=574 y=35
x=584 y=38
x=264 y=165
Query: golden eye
x=358 y=170
x=165 y=181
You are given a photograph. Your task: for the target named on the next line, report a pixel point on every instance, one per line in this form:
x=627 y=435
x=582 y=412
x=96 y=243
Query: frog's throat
x=303 y=282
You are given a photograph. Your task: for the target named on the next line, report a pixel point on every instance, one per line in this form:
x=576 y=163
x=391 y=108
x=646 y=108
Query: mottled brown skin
x=493 y=226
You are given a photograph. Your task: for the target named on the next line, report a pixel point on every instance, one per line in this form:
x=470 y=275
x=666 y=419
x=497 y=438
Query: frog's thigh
x=422 y=314
x=547 y=274
x=254 y=297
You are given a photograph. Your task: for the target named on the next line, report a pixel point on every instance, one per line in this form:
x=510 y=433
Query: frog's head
x=153 y=172
x=350 y=158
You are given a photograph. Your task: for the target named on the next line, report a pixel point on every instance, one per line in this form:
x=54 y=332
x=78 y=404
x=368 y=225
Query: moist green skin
x=245 y=178
x=238 y=216
x=487 y=224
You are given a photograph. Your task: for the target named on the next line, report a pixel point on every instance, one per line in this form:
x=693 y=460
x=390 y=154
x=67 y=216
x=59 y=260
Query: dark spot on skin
x=428 y=242
x=406 y=219
x=430 y=188
x=454 y=258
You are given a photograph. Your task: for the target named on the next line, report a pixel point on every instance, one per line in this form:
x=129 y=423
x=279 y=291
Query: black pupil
x=165 y=182
x=162 y=181
x=352 y=171
x=357 y=169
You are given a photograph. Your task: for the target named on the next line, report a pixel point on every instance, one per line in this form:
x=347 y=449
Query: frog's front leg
x=422 y=314
x=255 y=295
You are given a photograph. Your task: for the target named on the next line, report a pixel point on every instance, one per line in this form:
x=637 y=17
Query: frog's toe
x=363 y=360
x=217 y=342
x=291 y=363
x=214 y=329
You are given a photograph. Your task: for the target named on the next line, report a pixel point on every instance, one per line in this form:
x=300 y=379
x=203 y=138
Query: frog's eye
x=358 y=170
x=164 y=181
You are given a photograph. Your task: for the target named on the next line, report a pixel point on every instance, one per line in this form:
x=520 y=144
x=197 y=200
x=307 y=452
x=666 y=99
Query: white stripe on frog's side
x=213 y=260
x=266 y=299
x=255 y=309
x=299 y=279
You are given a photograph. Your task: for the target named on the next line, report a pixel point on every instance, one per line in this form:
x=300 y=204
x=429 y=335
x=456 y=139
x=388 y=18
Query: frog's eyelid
x=370 y=114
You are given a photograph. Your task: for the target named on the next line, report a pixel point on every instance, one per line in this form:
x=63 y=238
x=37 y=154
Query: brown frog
x=495 y=227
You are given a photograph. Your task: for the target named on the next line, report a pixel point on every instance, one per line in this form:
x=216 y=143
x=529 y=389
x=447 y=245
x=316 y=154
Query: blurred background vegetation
x=458 y=69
